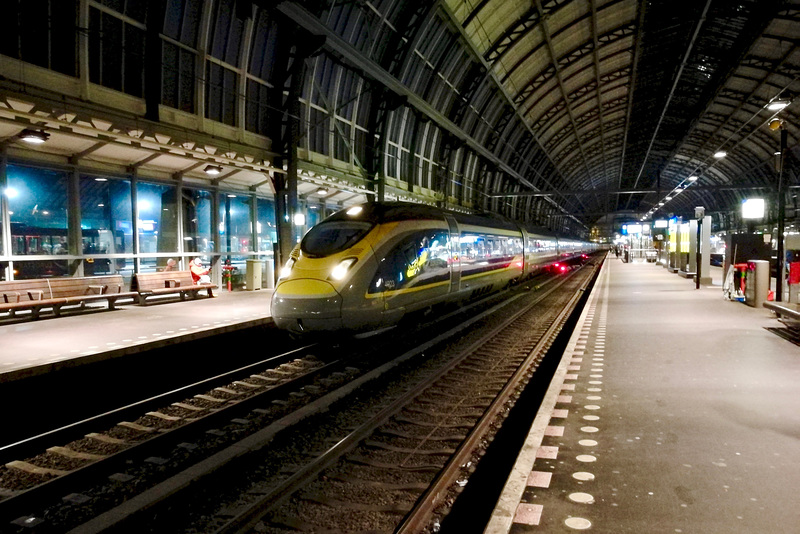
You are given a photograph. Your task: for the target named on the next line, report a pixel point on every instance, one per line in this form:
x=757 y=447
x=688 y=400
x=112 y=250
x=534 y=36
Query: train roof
x=384 y=212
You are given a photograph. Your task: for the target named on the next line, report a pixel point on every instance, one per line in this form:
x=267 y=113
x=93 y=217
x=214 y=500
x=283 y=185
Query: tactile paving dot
x=581 y=498
x=578 y=523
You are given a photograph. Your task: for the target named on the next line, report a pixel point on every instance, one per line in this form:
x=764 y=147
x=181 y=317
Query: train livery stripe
x=406 y=290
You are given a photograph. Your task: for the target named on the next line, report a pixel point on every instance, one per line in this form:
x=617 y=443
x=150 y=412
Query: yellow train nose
x=302 y=304
x=305 y=287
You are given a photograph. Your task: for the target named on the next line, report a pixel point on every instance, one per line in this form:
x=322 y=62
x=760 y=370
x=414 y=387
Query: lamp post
x=699 y=211
x=781 y=215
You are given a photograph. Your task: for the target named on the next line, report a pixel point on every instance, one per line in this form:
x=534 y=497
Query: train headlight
x=340 y=271
x=287 y=268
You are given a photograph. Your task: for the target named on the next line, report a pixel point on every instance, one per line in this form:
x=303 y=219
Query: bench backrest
x=47 y=288
x=89 y=285
x=24 y=290
x=161 y=280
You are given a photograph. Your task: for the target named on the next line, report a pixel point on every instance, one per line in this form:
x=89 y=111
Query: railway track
x=414 y=436
x=90 y=485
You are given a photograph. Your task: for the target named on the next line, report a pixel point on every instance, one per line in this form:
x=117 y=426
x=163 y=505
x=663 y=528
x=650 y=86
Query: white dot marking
x=578 y=523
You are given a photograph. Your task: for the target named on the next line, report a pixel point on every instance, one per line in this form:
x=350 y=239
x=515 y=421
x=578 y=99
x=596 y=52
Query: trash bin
x=253 y=275
x=756 y=289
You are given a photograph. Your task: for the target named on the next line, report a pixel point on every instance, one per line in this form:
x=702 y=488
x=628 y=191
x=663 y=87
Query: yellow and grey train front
x=320 y=279
x=368 y=266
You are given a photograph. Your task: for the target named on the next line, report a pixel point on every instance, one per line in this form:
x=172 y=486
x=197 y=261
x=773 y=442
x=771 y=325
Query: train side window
x=417 y=259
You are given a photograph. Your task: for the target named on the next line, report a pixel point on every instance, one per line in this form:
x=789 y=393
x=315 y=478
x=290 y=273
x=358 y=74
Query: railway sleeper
x=363 y=507
x=408 y=435
x=407 y=450
x=431 y=468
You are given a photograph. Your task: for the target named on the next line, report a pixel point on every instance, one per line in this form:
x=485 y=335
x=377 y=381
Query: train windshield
x=330 y=237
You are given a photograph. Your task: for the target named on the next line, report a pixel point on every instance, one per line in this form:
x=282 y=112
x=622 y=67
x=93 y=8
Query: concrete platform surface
x=673 y=411
x=33 y=347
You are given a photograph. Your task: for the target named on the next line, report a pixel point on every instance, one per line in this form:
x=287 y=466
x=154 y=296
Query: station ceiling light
x=213 y=170
x=778 y=104
x=719 y=154
x=34 y=137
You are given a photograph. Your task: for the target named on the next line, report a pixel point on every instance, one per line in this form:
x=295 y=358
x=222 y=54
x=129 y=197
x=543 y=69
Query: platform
x=673 y=411
x=34 y=347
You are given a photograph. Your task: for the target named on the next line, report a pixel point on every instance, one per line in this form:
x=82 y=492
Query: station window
x=106 y=224
x=116 y=51
x=235 y=227
x=37 y=204
x=267 y=231
x=181 y=23
x=221 y=93
x=197 y=234
x=106 y=220
x=27 y=270
x=42 y=33
x=158 y=221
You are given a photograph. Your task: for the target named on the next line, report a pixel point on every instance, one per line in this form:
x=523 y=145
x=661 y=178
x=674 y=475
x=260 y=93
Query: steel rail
x=248 y=518
x=64 y=483
x=434 y=496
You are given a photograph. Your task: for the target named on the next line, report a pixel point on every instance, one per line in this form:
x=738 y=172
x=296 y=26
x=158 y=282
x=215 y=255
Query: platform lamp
x=699 y=212
x=778 y=124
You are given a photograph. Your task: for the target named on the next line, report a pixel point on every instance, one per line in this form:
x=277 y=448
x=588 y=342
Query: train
x=367 y=266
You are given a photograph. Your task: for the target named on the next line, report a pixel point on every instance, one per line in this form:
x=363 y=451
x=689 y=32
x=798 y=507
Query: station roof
x=631 y=100
x=580 y=109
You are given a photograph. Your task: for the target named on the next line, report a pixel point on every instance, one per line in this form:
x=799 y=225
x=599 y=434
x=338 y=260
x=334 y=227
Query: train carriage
x=367 y=266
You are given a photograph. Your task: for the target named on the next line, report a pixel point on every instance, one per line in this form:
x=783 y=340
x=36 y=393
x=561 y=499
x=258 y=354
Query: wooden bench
x=55 y=293
x=168 y=283
x=789 y=310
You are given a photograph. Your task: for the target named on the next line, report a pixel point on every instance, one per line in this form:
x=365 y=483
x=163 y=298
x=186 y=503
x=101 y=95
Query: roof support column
x=5 y=220
x=781 y=214
x=74 y=235
x=306 y=46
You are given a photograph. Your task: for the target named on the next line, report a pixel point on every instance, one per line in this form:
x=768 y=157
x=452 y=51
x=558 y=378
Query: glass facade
x=157 y=223
x=106 y=225
x=111 y=237
x=198 y=237
x=37 y=204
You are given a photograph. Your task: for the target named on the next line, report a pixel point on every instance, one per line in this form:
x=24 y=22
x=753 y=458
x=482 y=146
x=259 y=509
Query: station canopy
x=563 y=113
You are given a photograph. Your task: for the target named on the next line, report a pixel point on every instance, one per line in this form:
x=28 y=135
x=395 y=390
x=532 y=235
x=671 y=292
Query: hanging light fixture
x=34 y=137
x=213 y=170
x=778 y=104
x=719 y=154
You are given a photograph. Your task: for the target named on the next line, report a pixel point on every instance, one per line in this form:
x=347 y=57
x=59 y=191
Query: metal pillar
x=5 y=219
x=781 y=217
x=74 y=234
